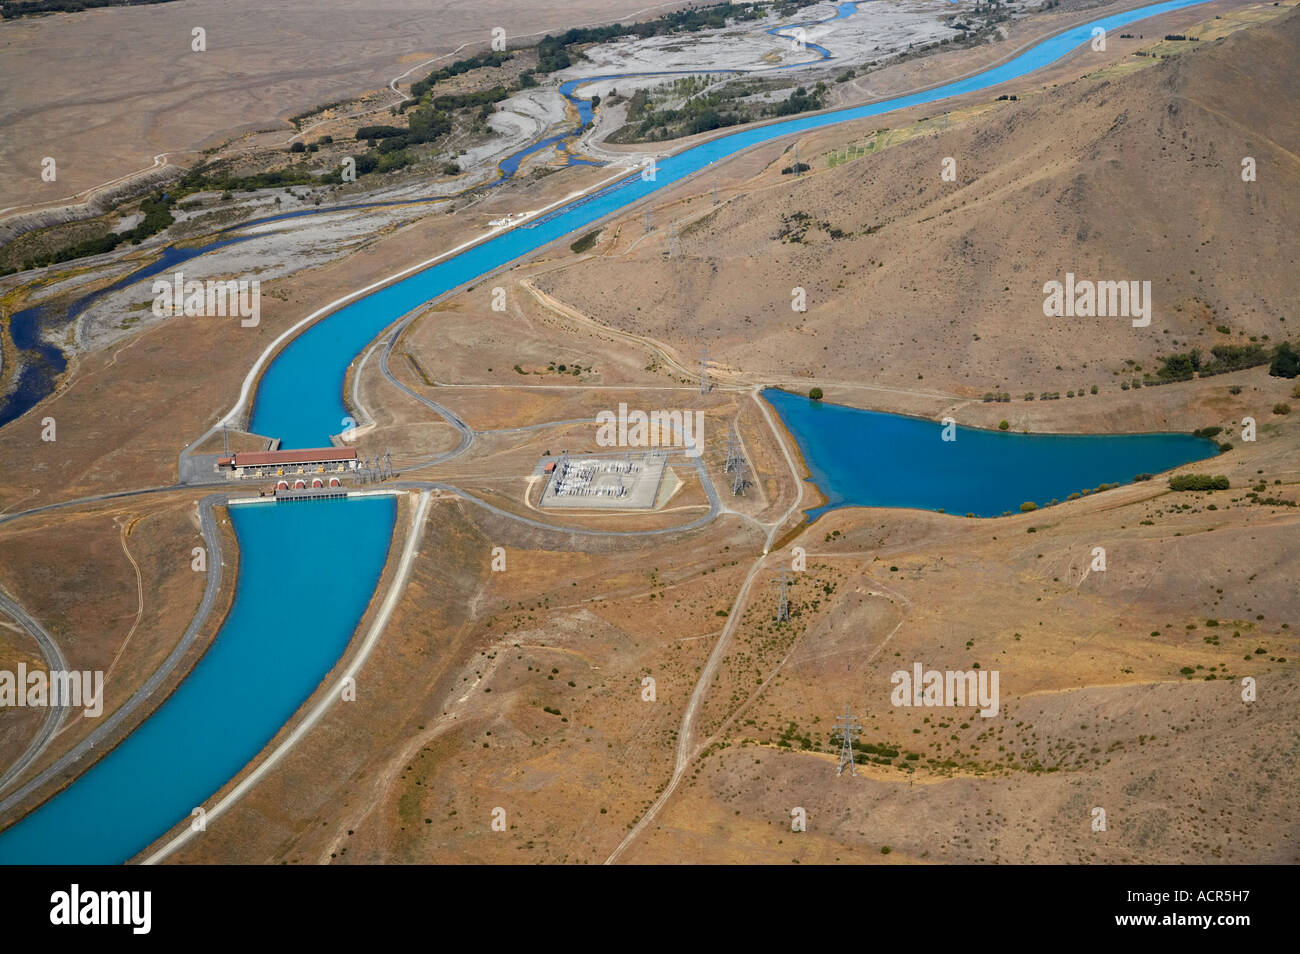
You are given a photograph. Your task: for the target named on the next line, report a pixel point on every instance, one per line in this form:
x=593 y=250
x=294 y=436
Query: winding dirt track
x=686 y=750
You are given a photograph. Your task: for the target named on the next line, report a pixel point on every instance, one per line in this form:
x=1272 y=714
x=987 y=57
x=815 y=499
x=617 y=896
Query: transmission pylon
x=734 y=456
x=647 y=220
x=705 y=386
x=715 y=192
x=738 y=479
x=848 y=727
x=674 y=248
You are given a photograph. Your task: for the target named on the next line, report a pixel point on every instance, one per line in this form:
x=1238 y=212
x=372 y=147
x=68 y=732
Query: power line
x=783 y=601
x=736 y=465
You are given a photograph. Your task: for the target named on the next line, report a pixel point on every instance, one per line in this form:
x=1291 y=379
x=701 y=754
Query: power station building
x=285 y=463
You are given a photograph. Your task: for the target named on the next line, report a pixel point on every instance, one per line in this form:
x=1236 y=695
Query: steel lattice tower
x=704 y=371
x=783 y=603
x=738 y=480
x=734 y=456
x=848 y=727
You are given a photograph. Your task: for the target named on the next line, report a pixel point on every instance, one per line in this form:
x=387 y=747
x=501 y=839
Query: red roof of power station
x=313 y=455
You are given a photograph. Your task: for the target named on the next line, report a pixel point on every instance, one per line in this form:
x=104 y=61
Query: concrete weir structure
x=614 y=482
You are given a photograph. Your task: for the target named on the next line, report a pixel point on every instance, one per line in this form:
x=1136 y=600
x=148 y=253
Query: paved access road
x=53 y=661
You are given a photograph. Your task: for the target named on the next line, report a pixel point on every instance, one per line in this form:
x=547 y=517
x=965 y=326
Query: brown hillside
x=1119 y=177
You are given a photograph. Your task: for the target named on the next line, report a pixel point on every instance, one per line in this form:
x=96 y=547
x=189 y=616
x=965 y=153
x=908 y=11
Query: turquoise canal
x=869 y=459
x=307 y=572
x=300 y=397
x=306 y=575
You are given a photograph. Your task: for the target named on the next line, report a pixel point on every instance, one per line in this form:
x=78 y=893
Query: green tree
x=1286 y=363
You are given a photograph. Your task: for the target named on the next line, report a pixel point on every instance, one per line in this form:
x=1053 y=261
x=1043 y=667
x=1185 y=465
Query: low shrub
x=1198 y=482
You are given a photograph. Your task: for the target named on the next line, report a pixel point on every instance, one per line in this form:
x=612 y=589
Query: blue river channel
x=307 y=571
x=306 y=575
x=870 y=459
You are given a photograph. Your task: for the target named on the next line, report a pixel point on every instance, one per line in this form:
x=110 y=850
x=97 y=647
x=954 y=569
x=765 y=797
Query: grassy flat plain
x=128 y=86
